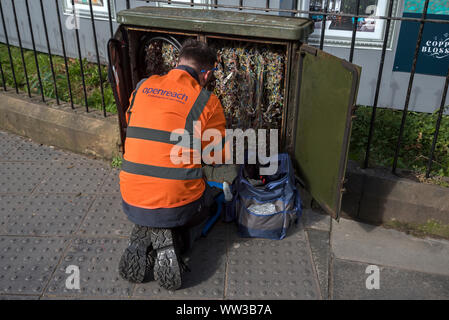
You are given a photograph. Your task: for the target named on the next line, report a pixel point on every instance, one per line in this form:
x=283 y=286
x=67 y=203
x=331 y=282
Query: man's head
x=199 y=56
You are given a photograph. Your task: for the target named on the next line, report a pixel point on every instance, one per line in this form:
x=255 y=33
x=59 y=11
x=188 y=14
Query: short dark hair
x=203 y=56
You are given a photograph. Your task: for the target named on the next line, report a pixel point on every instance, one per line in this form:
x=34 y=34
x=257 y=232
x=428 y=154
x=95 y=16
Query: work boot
x=168 y=265
x=137 y=262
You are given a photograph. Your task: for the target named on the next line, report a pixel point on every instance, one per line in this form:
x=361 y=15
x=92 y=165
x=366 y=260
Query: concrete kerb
x=377 y=196
x=60 y=126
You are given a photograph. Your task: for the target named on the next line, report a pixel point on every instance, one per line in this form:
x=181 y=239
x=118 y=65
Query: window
x=370 y=31
x=99 y=8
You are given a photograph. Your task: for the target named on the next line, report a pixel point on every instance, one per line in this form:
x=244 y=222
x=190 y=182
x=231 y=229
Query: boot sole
x=137 y=262
x=167 y=270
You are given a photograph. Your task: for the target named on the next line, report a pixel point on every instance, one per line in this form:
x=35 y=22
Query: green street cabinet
x=267 y=78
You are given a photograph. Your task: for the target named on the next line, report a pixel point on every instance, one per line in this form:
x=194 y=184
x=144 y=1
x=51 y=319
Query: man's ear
x=208 y=75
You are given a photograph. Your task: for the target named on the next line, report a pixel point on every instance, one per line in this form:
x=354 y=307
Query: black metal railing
x=215 y=4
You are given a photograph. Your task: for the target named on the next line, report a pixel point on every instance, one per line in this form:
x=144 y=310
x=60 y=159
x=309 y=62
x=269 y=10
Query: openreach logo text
x=166 y=93
x=212 y=153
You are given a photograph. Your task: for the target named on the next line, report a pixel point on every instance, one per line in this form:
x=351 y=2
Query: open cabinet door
x=119 y=75
x=327 y=95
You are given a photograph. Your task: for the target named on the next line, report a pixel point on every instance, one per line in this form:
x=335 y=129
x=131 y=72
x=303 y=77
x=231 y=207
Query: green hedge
x=417 y=140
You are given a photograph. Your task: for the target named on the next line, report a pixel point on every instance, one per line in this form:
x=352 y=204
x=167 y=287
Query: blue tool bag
x=267 y=206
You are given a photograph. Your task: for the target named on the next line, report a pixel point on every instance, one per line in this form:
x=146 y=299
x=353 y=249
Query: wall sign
x=433 y=58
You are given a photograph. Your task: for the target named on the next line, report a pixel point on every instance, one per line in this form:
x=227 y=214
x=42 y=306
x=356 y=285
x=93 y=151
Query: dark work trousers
x=192 y=230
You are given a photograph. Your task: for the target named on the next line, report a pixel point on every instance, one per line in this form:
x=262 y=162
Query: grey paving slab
x=49 y=214
x=106 y=218
x=8 y=142
x=222 y=230
x=207 y=261
x=27 y=263
x=32 y=151
x=19 y=297
x=356 y=241
x=319 y=244
x=22 y=177
x=10 y=205
x=75 y=176
x=97 y=260
x=112 y=182
x=271 y=269
x=349 y=282
x=315 y=220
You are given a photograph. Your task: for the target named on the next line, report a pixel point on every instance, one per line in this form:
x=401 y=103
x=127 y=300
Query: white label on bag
x=263 y=209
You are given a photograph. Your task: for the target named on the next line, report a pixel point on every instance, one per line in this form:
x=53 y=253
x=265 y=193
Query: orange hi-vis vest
x=159 y=105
